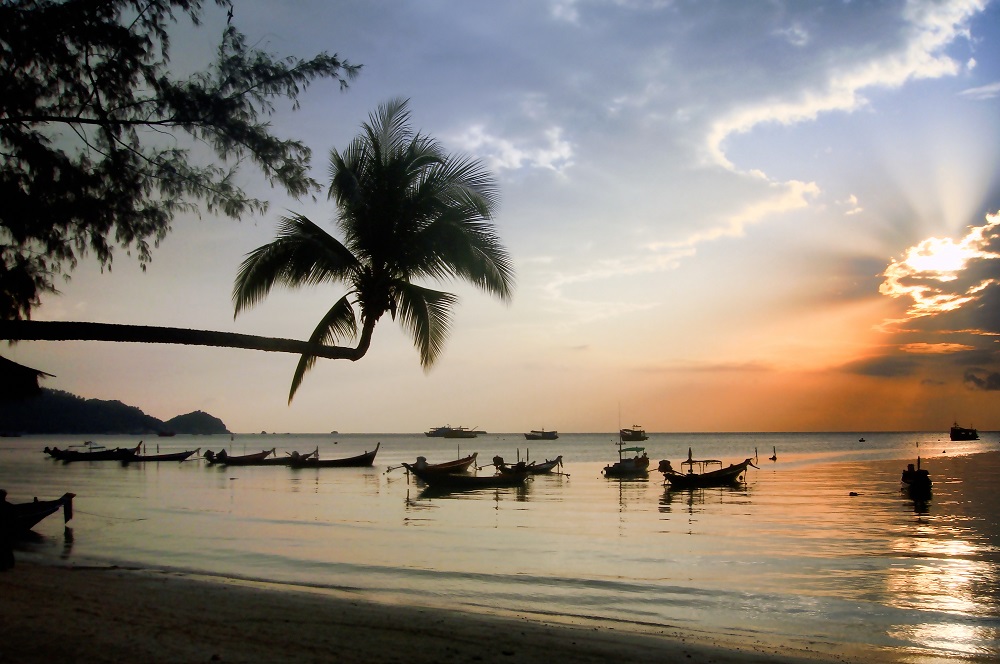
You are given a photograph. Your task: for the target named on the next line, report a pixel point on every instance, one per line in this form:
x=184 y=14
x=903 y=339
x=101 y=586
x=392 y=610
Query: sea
x=817 y=549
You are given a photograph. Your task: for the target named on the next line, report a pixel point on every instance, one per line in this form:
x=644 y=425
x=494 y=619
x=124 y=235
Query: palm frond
x=426 y=315
x=338 y=323
x=302 y=253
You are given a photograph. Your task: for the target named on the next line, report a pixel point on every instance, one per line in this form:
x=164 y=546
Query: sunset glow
x=768 y=216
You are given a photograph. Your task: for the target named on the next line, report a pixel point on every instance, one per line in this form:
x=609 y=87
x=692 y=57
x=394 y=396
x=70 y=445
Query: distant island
x=58 y=412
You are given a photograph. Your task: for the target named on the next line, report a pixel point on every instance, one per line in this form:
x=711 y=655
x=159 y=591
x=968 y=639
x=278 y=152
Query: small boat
x=961 y=433
x=634 y=435
x=916 y=481
x=93 y=452
x=170 y=456
x=361 y=460
x=533 y=467
x=166 y=433
x=224 y=458
x=462 y=481
x=637 y=466
x=733 y=474
x=19 y=518
x=541 y=434
x=445 y=468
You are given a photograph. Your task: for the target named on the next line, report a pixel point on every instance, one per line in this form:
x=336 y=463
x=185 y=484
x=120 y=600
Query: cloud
x=852 y=206
x=931 y=28
x=981 y=379
x=940 y=275
x=983 y=92
x=922 y=348
x=550 y=151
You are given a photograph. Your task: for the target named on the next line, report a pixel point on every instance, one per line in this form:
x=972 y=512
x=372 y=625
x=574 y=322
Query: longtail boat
x=93 y=452
x=541 y=434
x=224 y=458
x=732 y=474
x=170 y=456
x=361 y=460
x=460 y=481
x=19 y=518
x=533 y=467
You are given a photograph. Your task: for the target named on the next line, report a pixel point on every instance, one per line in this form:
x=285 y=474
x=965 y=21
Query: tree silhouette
x=407 y=211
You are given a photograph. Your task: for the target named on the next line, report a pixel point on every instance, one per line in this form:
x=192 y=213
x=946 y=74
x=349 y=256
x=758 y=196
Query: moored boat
x=732 y=474
x=961 y=433
x=19 y=518
x=359 y=461
x=916 y=481
x=93 y=452
x=532 y=468
x=224 y=458
x=168 y=456
x=634 y=435
x=635 y=466
x=464 y=481
x=541 y=434
x=444 y=468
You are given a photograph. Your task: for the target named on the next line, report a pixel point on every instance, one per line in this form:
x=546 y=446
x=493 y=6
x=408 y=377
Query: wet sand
x=61 y=614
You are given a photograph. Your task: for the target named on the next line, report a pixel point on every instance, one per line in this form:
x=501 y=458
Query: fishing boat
x=19 y=518
x=224 y=458
x=462 y=481
x=732 y=474
x=93 y=452
x=636 y=466
x=361 y=460
x=444 y=468
x=533 y=467
x=634 y=435
x=541 y=434
x=961 y=433
x=916 y=481
x=170 y=456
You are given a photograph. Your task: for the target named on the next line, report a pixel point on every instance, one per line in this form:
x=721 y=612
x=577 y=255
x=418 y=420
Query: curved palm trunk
x=30 y=330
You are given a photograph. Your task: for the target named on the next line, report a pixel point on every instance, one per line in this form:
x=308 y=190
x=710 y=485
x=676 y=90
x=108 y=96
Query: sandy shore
x=61 y=614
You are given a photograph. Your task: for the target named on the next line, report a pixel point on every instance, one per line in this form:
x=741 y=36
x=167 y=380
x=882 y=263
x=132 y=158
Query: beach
x=819 y=557
x=76 y=614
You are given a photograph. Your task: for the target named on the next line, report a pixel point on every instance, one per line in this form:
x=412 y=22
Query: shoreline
x=58 y=611
x=113 y=614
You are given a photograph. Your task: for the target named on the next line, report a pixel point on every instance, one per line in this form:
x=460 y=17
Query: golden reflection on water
x=948 y=575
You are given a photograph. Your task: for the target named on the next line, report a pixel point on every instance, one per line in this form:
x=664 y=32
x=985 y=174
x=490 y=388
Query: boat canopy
x=633 y=449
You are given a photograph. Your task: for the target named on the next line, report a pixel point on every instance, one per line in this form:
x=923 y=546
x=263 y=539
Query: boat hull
x=19 y=518
x=459 y=481
x=722 y=477
x=359 y=461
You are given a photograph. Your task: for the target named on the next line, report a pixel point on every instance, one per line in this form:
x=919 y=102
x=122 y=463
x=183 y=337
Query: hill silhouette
x=58 y=412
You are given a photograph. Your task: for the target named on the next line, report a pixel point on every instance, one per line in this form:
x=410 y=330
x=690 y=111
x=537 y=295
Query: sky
x=723 y=216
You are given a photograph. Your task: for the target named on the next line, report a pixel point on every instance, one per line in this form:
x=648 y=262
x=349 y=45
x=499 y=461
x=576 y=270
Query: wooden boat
x=634 y=435
x=532 y=468
x=361 y=460
x=224 y=458
x=541 y=434
x=19 y=518
x=961 y=433
x=916 y=481
x=636 y=466
x=93 y=452
x=463 y=481
x=732 y=474
x=445 y=468
x=170 y=456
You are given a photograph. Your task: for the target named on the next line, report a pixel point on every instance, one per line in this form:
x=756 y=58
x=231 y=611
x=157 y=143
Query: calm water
x=791 y=557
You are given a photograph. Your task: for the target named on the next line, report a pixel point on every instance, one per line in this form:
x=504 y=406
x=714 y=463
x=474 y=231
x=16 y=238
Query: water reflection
x=691 y=497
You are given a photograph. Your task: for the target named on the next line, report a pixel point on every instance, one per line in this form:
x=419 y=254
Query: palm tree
x=407 y=211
